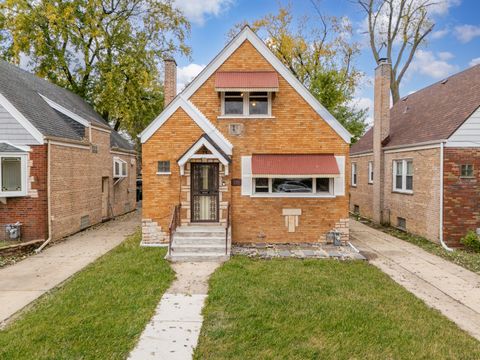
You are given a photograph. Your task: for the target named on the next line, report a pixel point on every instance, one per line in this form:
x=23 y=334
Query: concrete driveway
x=24 y=282
x=447 y=287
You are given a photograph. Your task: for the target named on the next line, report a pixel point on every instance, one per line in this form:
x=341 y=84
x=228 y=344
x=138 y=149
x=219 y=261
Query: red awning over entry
x=246 y=80
x=295 y=164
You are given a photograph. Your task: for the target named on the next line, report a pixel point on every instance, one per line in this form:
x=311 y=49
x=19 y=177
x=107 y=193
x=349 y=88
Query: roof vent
x=444 y=81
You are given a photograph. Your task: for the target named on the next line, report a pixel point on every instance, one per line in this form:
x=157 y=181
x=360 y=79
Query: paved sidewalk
x=447 y=287
x=24 y=282
x=172 y=333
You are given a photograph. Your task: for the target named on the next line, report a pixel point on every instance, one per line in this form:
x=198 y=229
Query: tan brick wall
x=295 y=128
x=362 y=194
x=76 y=184
x=421 y=210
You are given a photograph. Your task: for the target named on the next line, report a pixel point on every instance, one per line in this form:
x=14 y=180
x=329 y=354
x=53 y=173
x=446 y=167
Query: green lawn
x=468 y=259
x=98 y=314
x=321 y=309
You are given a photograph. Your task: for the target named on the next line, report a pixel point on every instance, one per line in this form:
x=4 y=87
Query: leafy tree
x=319 y=54
x=397 y=28
x=106 y=51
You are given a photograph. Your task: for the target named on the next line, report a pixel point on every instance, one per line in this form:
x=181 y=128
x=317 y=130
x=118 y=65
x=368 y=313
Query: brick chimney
x=170 y=82
x=381 y=132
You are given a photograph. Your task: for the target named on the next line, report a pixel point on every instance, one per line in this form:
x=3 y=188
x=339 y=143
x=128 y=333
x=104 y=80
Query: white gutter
x=49 y=206
x=445 y=246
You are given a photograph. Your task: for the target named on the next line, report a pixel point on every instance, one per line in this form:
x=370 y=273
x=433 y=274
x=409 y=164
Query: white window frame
x=165 y=172
x=314 y=192
x=24 y=175
x=403 y=189
x=120 y=162
x=370 y=172
x=246 y=106
x=354 y=177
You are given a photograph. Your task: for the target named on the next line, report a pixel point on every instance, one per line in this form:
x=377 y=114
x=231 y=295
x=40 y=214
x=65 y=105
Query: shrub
x=471 y=241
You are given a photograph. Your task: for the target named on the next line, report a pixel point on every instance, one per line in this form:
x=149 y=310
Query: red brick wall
x=30 y=210
x=461 y=210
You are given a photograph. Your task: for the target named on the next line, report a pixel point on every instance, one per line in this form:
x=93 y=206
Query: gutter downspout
x=445 y=246
x=49 y=206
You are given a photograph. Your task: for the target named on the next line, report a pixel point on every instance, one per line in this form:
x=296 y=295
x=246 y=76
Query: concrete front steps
x=195 y=243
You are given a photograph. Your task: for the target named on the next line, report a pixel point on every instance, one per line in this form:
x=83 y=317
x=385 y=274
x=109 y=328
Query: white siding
x=468 y=134
x=12 y=131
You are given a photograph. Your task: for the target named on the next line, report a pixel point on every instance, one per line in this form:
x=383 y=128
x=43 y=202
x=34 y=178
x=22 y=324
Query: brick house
x=245 y=141
x=58 y=157
x=418 y=167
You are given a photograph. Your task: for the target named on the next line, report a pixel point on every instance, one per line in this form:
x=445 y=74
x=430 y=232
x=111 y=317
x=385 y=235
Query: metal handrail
x=226 y=229
x=174 y=222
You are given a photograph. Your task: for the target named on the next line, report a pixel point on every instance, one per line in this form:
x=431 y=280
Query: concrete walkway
x=447 y=287
x=24 y=282
x=172 y=333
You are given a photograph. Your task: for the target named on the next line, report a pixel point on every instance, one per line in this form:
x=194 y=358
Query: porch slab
x=299 y=251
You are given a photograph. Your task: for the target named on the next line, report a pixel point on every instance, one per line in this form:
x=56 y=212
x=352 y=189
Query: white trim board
x=248 y=34
x=65 y=111
x=196 y=115
x=22 y=120
x=191 y=153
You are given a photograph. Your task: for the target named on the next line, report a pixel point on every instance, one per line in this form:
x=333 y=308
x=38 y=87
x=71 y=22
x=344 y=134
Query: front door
x=204 y=190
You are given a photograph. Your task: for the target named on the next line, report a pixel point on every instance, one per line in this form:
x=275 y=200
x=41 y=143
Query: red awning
x=308 y=164
x=246 y=80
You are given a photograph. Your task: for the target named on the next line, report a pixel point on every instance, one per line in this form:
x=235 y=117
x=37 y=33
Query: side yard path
x=173 y=331
x=22 y=283
x=447 y=287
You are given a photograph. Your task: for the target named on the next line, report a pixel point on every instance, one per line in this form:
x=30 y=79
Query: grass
x=468 y=259
x=311 y=309
x=97 y=314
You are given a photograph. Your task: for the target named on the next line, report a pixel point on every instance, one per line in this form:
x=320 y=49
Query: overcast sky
x=453 y=46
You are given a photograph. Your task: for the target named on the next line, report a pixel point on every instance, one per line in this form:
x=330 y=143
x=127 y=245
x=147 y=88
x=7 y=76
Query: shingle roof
x=118 y=141
x=430 y=114
x=4 y=147
x=22 y=89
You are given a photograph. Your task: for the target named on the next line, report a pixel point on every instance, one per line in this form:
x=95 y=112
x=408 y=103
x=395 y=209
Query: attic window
x=119 y=168
x=246 y=104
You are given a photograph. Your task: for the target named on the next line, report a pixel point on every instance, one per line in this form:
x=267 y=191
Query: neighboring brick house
x=427 y=150
x=57 y=157
x=245 y=134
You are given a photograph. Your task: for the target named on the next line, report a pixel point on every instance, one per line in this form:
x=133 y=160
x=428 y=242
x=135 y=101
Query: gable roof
x=248 y=34
x=430 y=114
x=196 y=115
x=45 y=109
x=6 y=147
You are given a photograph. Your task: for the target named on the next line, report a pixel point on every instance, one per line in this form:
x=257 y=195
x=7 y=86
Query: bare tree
x=396 y=29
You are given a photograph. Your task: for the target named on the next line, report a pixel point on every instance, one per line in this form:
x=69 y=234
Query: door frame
x=217 y=196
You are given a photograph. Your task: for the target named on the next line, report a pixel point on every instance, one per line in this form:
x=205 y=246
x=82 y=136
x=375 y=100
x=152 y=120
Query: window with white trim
x=466 y=170
x=163 y=167
x=13 y=175
x=354 y=174
x=301 y=186
x=257 y=103
x=403 y=175
x=119 y=168
x=370 y=172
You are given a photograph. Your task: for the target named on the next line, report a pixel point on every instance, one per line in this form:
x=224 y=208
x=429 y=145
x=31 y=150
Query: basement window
x=356 y=209
x=402 y=223
x=466 y=171
x=119 y=168
x=13 y=175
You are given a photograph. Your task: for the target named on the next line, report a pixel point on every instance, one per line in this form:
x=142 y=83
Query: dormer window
x=252 y=104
